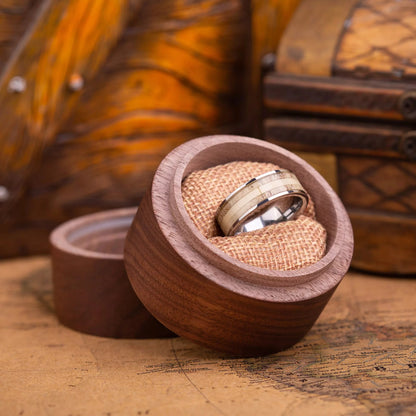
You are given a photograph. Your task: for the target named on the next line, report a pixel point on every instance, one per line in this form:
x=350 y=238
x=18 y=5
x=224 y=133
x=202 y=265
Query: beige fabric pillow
x=289 y=245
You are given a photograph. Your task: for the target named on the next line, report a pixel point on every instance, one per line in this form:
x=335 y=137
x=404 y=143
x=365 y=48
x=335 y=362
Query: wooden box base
x=198 y=291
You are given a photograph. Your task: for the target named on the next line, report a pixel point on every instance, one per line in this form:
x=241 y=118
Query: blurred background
x=94 y=94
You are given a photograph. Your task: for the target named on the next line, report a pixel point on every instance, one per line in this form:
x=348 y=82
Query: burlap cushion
x=286 y=246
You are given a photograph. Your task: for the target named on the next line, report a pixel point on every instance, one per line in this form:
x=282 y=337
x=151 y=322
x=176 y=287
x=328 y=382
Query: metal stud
x=407 y=105
x=76 y=82
x=408 y=145
x=268 y=62
x=17 y=85
x=397 y=72
x=4 y=194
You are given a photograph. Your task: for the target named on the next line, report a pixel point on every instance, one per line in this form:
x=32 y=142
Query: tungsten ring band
x=270 y=198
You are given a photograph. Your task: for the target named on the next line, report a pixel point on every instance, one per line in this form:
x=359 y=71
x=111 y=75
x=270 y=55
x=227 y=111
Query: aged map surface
x=358 y=359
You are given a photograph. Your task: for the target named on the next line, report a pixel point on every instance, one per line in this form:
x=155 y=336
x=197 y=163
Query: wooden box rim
x=236 y=276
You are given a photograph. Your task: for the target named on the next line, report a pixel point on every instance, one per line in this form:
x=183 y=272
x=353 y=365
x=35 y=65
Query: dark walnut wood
x=198 y=291
x=92 y=293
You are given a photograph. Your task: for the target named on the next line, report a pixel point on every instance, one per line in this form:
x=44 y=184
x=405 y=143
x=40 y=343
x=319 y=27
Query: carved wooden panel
x=379 y=41
x=354 y=96
x=341 y=96
x=378 y=184
x=343 y=137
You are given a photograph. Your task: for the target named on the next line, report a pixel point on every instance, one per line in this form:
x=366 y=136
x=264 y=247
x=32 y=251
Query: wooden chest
x=93 y=95
x=343 y=92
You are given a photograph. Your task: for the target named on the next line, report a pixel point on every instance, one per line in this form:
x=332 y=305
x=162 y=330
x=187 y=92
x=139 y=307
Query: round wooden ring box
x=201 y=293
x=92 y=293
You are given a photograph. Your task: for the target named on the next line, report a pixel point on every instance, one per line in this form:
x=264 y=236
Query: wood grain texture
x=269 y=19
x=15 y=16
x=379 y=41
x=309 y=43
x=383 y=241
x=375 y=180
x=175 y=73
x=92 y=293
x=379 y=184
x=198 y=291
x=359 y=106
x=340 y=96
x=66 y=37
x=380 y=196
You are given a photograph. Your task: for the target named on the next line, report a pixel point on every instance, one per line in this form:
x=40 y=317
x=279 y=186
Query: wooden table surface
x=358 y=359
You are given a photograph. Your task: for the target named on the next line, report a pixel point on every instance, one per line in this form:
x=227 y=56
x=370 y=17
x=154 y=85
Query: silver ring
x=270 y=198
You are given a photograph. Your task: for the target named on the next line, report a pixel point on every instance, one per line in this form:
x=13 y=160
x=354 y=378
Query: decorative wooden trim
x=340 y=96
x=342 y=137
x=92 y=293
x=198 y=291
x=308 y=45
x=380 y=184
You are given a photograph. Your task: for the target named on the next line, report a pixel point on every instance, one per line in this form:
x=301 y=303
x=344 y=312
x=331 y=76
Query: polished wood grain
x=158 y=74
x=310 y=41
x=198 y=291
x=92 y=293
x=66 y=37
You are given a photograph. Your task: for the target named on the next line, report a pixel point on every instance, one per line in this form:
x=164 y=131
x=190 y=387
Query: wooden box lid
x=349 y=57
x=91 y=290
x=199 y=292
